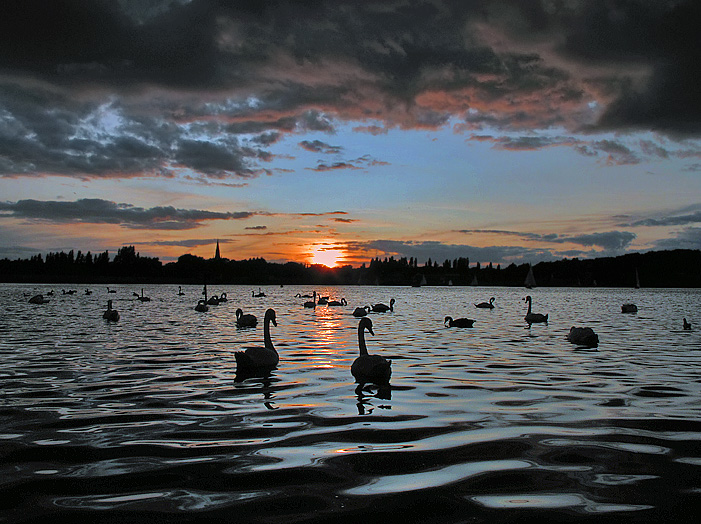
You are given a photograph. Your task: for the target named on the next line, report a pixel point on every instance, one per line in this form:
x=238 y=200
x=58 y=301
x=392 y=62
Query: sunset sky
x=503 y=131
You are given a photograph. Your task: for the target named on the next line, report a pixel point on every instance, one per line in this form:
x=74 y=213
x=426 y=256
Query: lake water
x=142 y=419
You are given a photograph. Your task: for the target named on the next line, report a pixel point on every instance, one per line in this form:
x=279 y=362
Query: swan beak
x=371 y=331
x=274 y=321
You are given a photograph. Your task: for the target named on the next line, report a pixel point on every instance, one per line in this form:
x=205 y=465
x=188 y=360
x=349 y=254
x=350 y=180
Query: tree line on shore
x=674 y=268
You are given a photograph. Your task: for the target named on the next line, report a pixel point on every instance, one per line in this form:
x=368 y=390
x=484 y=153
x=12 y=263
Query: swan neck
x=361 y=341
x=266 y=335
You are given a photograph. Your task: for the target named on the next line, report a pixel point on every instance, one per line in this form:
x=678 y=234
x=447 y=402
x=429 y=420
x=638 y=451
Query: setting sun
x=327 y=256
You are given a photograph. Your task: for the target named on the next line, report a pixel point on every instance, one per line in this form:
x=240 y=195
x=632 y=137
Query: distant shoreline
x=679 y=268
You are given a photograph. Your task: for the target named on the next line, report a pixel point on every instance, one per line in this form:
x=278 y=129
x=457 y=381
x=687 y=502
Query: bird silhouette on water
x=257 y=361
x=458 y=322
x=531 y=317
x=369 y=368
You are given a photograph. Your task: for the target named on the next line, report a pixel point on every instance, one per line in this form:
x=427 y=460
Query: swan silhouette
x=180 y=291
x=629 y=308
x=687 y=326
x=257 y=358
x=583 y=336
x=51 y=293
x=38 y=299
x=383 y=308
x=202 y=306
x=247 y=320
x=312 y=302
x=111 y=290
x=369 y=368
x=213 y=300
x=257 y=295
x=533 y=318
x=223 y=297
x=458 y=322
x=361 y=311
x=342 y=302
x=486 y=305
x=110 y=314
x=88 y=292
x=300 y=295
x=142 y=298
x=323 y=300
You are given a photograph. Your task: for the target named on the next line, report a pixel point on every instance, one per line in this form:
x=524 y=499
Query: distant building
x=217 y=254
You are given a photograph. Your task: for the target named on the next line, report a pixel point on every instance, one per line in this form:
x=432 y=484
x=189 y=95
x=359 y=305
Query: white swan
x=247 y=320
x=583 y=336
x=486 y=305
x=383 y=308
x=458 y=322
x=110 y=314
x=369 y=368
x=257 y=358
x=533 y=318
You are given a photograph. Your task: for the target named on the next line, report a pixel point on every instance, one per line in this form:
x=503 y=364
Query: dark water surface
x=142 y=420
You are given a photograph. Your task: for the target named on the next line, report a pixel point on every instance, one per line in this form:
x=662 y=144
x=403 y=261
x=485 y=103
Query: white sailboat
x=474 y=281
x=530 y=278
x=637 y=279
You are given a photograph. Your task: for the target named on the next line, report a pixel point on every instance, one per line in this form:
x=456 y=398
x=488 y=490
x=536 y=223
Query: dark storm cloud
x=271 y=68
x=41 y=133
x=612 y=241
x=97 y=211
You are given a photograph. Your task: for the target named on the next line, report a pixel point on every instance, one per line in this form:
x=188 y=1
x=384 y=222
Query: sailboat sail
x=474 y=281
x=530 y=278
x=637 y=279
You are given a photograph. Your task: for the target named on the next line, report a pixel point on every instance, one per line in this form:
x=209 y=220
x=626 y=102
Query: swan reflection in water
x=365 y=394
x=263 y=385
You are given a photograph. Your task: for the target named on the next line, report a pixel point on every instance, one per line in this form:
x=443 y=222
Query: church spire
x=217 y=254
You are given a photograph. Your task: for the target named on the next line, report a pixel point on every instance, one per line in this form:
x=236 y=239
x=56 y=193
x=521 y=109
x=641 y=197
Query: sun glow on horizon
x=330 y=257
